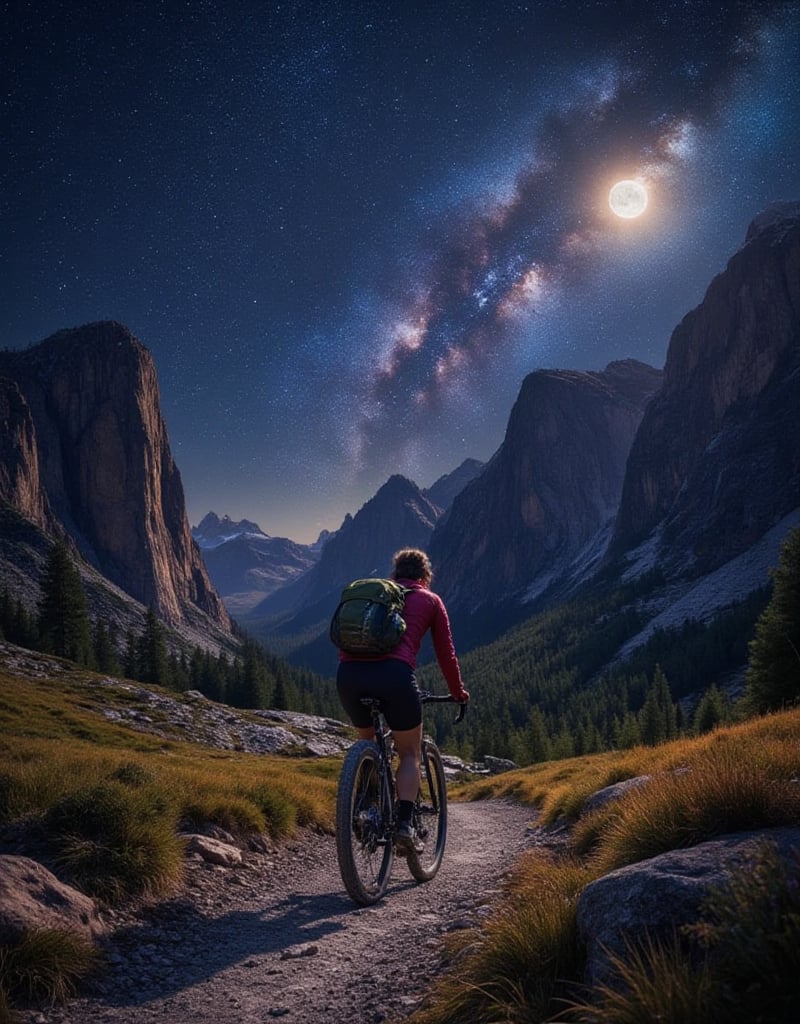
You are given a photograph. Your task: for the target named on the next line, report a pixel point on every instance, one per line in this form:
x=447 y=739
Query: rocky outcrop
x=715 y=463
x=553 y=484
x=653 y=899
x=105 y=465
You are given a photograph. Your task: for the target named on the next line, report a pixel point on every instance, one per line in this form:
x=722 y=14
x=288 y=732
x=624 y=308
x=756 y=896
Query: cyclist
x=391 y=679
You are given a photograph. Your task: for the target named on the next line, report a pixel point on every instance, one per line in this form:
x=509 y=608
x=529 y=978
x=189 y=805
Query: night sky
x=347 y=231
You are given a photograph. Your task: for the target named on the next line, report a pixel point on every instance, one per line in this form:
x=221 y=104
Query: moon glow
x=628 y=199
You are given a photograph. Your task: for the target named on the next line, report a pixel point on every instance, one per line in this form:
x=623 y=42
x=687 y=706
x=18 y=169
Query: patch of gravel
x=279 y=939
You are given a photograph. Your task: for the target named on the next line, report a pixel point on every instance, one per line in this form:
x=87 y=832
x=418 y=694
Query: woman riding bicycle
x=391 y=679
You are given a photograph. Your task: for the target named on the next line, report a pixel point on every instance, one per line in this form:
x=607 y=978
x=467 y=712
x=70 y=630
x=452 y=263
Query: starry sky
x=347 y=230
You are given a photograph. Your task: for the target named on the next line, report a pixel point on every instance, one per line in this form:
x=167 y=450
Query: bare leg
x=408 y=743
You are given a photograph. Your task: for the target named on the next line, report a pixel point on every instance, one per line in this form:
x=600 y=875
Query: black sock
x=405 y=808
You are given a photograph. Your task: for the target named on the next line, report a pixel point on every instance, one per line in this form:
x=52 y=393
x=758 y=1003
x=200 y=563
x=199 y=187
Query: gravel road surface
x=279 y=939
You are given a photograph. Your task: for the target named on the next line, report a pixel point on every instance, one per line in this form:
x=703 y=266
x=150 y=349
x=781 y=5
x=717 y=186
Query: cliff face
x=716 y=461
x=552 y=485
x=105 y=465
x=20 y=481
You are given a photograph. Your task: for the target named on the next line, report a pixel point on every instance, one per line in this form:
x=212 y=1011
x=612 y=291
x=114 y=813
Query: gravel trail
x=279 y=939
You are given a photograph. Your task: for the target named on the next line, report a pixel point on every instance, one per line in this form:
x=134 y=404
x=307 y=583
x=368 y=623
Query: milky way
x=347 y=234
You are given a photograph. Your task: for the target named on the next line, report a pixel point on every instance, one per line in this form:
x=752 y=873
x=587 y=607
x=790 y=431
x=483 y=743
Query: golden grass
x=519 y=968
x=57 y=751
x=559 y=789
x=743 y=777
x=45 y=966
x=525 y=962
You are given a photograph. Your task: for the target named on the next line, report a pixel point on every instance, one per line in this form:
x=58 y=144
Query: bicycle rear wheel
x=430 y=815
x=362 y=821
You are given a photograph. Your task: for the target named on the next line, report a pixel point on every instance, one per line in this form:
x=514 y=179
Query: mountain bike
x=365 y=811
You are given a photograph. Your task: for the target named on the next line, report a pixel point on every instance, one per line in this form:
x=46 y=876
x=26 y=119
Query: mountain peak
x=106 y=467
x=777 y=213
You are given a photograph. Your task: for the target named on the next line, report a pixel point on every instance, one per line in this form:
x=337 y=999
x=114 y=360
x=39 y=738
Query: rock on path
x=279 y=939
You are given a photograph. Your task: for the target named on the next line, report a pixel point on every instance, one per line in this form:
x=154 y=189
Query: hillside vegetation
x=108 y=801
x=105 y=803
x=743 y=960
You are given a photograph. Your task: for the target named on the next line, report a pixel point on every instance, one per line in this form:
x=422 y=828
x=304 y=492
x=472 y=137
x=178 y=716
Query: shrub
x=45 y=966
x=280 y=813
x=116 y=841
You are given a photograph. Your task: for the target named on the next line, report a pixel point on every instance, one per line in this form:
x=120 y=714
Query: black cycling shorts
x=391 y=680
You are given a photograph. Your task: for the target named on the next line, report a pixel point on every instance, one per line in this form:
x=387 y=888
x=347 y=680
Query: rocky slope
x=297 y=616
x=443 y=491
x=715 y=463
x=553 y=484
x=88 y=440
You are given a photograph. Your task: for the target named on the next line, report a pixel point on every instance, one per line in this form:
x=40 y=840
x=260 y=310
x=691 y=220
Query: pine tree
x=664 y=699
x=131 y=658
x=652 y=726
x=64 y=626
x=538 y=747
x=153 y=654
x=105 y=652
x=711 y=711
x=773 y=674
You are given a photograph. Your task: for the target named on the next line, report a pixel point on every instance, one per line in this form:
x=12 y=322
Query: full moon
x=628 y=199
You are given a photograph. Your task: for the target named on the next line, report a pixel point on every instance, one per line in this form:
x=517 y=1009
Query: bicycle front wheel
x=430 y=815
x=363 y=846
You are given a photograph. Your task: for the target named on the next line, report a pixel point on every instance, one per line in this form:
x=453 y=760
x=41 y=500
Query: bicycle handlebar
x=428 y=697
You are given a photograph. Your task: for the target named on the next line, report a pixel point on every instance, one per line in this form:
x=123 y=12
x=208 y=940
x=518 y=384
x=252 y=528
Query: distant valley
x=655 y=497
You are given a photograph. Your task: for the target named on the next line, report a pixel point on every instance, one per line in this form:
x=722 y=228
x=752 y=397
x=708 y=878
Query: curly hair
x=412 y=564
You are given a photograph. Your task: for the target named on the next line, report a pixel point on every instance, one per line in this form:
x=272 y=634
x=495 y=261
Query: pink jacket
x=424 y=610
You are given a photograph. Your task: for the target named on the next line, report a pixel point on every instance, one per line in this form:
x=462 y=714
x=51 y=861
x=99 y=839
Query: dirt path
x=279 y=938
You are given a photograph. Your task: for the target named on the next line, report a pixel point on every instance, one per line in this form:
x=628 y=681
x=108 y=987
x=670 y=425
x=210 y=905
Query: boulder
x=213 y=851
x=609 y=793
x=32 y=897
x=655 y=897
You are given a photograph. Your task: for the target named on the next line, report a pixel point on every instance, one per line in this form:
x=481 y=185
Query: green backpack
x=368 y=620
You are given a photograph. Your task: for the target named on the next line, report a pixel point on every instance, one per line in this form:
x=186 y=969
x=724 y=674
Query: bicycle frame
x=366 y=816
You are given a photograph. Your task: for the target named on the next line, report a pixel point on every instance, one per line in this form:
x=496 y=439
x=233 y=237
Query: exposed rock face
x=20 y=482
x=552 y=485
x=106 y=467
x=716 y=461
